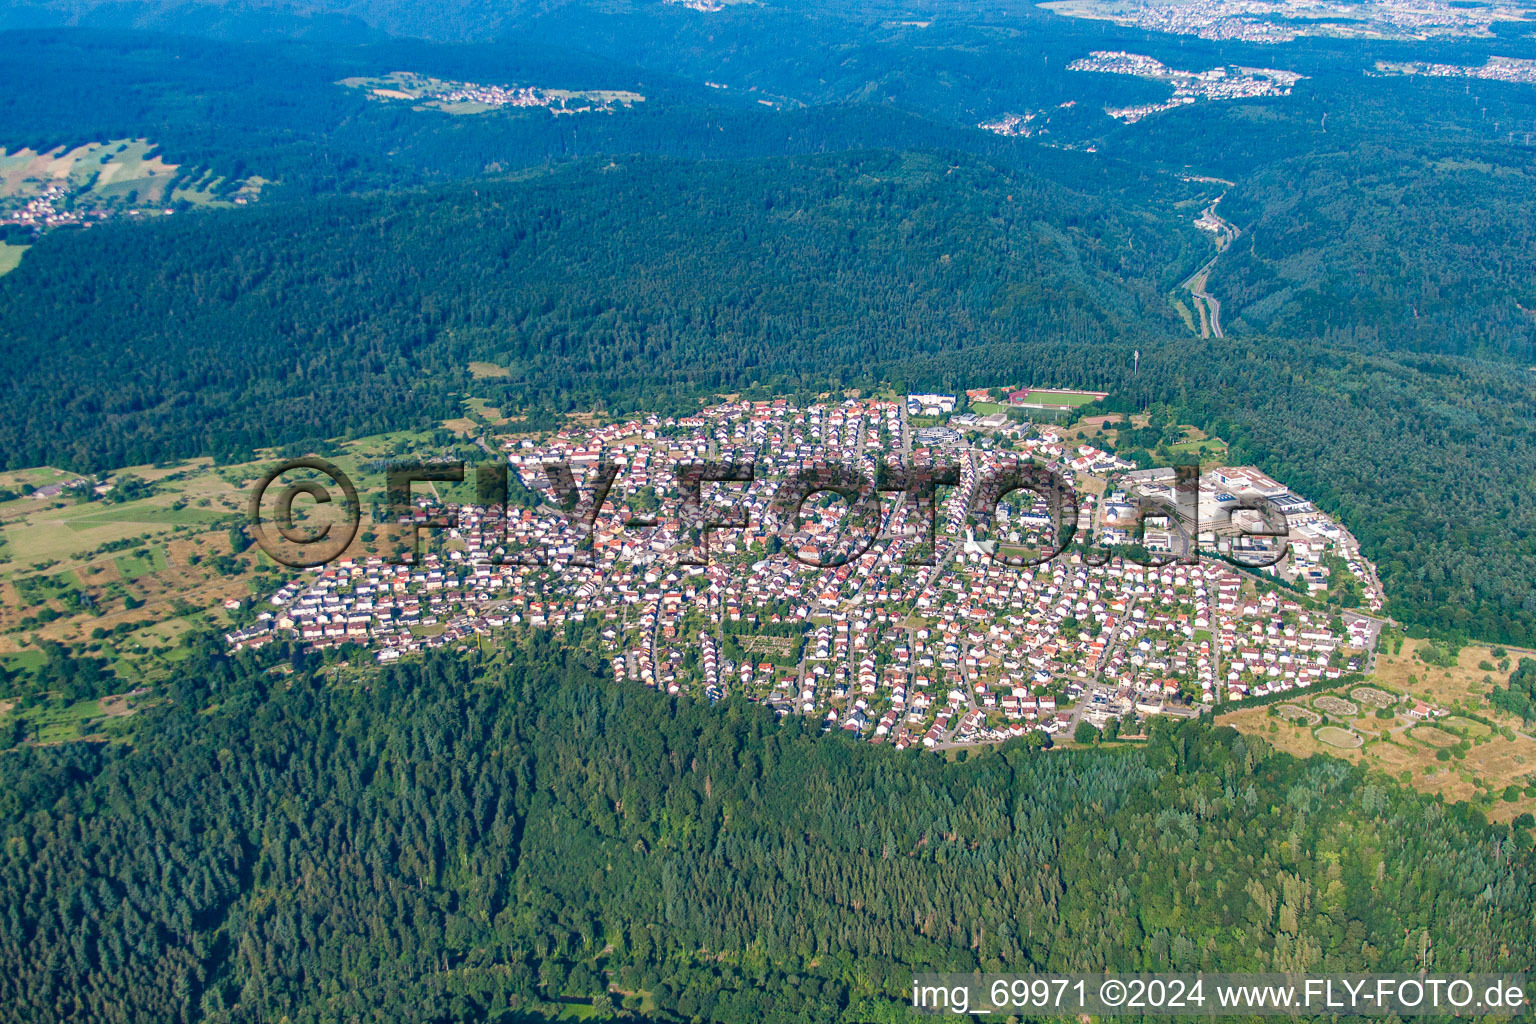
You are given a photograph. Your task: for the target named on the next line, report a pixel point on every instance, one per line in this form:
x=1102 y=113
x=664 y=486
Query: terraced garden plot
x=1373 y=697
x=1335 y=705
x=1295 y=713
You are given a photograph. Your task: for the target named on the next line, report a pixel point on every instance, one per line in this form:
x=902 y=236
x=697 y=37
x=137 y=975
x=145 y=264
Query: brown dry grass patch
x=1497 y=761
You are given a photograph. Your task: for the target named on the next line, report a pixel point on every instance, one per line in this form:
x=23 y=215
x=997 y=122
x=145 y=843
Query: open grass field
x=141 y=514
x=56 y=724
x=39 y=476
x=121 y=169
x=1208 y=449
x=1434 y=737
x=482 y=370
x=1464 y=683
x=62 y=532
x=1185 y=314
x=131 y=566
x=1372 y=727
x=113 y=176
x=10 y=256
x=178 y=577
x=21 y=661
x=1336 y=737
x=479 y=407
x=87 y=719
x=1465 y=726
x=131 y=578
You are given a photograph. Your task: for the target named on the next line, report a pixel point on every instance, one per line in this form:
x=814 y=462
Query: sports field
x=1051 y=398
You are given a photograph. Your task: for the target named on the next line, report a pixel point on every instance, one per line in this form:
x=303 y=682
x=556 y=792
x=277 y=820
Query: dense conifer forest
x=1427 y=249
x=595 y=286
x=471 y=840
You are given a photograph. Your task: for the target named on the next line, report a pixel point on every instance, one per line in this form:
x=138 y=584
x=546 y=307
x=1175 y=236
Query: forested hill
x=434 y=842
x=607 y=283
x=638 y=283
x=1431 y=249
x=274 y=109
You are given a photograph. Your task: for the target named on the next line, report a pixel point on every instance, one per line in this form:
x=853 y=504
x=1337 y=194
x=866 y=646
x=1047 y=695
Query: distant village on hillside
x=1224 y=83
x=450 y=97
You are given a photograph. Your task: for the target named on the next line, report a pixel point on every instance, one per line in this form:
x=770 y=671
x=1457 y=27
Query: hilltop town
x=1224 y=83
x=966 y=649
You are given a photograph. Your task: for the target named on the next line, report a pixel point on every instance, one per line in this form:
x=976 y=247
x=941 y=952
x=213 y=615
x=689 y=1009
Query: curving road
x=1207 y=306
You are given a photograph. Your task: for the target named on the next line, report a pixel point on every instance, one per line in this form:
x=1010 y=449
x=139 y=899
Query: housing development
x=1224 y=83
x=1494 y=69
x=907 y=644
x=1281 y=21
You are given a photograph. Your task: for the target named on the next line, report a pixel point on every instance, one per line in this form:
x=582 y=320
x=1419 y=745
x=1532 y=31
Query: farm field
x=129 y=578
x=104 y=169
x=60 y=531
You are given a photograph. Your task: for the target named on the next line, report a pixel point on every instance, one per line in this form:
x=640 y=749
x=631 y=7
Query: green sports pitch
x=1051 y=398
